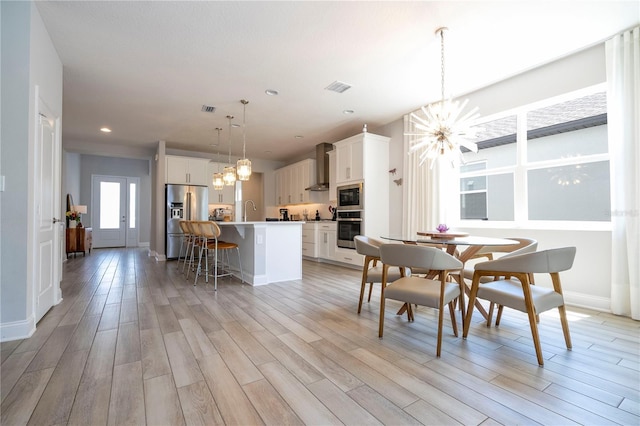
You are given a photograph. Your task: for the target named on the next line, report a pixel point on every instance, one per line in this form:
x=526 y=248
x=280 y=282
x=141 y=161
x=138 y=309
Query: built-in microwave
x=351 y=197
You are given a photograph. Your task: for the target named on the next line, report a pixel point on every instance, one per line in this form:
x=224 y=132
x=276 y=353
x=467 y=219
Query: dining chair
x=525 y=245
x=514 y=287
x=420 y=291
x=372 y=266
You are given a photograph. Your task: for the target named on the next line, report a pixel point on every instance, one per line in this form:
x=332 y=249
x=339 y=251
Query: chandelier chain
x=442 y=63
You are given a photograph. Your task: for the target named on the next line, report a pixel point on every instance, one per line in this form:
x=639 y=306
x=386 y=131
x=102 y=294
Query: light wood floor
x=134 y=343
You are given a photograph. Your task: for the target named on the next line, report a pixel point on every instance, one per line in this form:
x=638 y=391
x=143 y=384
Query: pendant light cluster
x=230 y=173
x=443 y=131
x=218 y=182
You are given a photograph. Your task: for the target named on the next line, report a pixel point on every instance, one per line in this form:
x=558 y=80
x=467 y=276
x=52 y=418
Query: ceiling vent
x=338 y=87
x=208 y=108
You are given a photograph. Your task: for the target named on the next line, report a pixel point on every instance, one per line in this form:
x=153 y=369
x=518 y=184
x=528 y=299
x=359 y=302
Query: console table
x=78 y=240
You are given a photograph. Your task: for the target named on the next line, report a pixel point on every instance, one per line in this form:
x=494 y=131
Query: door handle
x=56 y=220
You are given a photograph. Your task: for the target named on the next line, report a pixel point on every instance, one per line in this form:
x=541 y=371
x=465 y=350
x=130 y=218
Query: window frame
x=521 y=168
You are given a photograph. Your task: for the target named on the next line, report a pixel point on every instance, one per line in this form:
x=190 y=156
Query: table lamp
x=81 y=210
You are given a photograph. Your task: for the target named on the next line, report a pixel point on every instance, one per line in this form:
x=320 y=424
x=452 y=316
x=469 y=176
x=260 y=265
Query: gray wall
x=28 y=59
x=121 y=167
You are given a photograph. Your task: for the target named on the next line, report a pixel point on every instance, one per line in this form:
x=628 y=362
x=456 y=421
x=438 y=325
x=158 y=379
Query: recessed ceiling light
x=298 y=136
x=267 y=152
x=235 y=125
x=105 y=130
x=348 y=111
x=271 y=92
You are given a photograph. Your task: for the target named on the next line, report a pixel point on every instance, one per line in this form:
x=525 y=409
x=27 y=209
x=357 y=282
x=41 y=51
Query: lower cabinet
x=326 y=241
x=319 y=242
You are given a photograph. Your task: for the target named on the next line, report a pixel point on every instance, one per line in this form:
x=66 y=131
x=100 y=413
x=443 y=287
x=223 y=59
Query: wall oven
x=351 y=197
x=349 y=224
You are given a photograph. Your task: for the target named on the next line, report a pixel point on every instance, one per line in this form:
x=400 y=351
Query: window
x=132 y=205
x=547 y=162
x=109 y=205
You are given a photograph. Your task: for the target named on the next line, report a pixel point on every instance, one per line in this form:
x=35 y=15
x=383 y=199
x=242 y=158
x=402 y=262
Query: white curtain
x=429 y=194
x=623 y=97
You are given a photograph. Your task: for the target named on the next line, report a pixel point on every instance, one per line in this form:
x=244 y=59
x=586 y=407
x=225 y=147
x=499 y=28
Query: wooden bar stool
x=206 y=235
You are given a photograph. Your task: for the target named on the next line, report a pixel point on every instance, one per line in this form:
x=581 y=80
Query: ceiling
x=145 y=69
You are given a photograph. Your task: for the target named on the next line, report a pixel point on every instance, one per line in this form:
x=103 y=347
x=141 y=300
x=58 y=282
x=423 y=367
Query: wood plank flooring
x=133 y=342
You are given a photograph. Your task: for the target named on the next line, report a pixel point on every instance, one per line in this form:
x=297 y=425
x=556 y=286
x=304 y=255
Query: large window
x=546 y=162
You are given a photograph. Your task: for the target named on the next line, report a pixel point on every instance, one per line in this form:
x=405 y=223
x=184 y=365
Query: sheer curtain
x=429 y=194
x=623 y=97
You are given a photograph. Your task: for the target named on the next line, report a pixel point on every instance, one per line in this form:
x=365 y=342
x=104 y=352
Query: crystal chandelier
x=218 y=182
x=244 y=164
x=443 y=131
x=229 y=172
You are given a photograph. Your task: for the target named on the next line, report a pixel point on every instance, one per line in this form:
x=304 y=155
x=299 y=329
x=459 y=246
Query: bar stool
x=186 y=243
x=206 y=234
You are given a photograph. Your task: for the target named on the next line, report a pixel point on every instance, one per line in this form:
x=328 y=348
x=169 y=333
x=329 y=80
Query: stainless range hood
x=322 y=168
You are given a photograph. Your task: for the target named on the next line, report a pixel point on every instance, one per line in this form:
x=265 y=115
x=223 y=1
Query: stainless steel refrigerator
x=183 y=202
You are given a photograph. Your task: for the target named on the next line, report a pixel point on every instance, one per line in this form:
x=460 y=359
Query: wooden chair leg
x=370 y=289
x=565 y=326
x=535 y=336
x=362 y=286
x=454 y=323
x=500 y=307
x=440 y=321
x=409 y=312
x=490 y=314
x=381 y=323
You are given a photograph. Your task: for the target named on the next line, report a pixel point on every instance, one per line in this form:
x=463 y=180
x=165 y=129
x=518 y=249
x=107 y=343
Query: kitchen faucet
x=245 y=208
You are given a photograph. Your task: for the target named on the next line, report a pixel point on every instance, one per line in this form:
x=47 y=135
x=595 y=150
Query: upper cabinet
x=361 y=157
x=186 y=170
x=226 y=195
x=292 y=180
x=349 y=160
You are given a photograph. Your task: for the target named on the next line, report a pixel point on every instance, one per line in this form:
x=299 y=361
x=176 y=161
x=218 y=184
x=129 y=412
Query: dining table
x=458 y=244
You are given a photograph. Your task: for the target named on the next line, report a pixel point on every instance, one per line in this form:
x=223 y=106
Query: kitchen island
x=270 y=251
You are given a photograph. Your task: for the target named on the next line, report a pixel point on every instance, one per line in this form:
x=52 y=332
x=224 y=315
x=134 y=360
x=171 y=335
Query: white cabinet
x=309 y=237
x=186 y=170
x=326 y=242
x=349 y=160
x=348 y=256
x=292 y=180
x=224 y=196
x=365 y=158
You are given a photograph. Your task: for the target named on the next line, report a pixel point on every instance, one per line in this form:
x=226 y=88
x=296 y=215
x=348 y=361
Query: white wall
x=29 y=59
x=588 y=283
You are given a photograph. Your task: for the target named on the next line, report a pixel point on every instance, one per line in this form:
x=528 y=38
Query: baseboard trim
x=17 y=330
x=582 y=300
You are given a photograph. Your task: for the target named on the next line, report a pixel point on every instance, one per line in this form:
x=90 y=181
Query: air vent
x=338 y=87
x=208 y=108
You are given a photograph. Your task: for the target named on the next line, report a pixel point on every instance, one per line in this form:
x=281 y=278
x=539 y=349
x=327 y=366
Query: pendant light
x=218 y=182
x=441 y=133
x=244 y=165
x=229 y=172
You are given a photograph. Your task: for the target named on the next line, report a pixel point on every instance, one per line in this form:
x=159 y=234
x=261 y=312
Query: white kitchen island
x=270 y=251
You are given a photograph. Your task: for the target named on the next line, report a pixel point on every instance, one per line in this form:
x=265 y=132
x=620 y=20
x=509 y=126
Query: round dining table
x=452 y=242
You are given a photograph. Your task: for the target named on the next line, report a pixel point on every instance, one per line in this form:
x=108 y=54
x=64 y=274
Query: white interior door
x=114 y=207
x=47 y=198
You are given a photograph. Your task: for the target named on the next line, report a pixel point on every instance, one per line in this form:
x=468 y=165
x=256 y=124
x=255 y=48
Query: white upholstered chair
x=372 y=266
x=515 y=288
x=416 y=290
x=525 y=245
